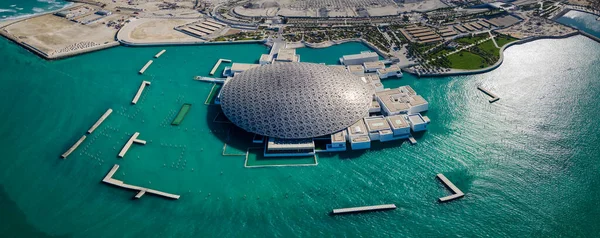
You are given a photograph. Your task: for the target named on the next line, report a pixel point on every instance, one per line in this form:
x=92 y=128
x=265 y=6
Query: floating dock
x=139 y=92
x=146 y=66
x=102 y=118
x=214 y=69
x=160 y=53
x=182 y=112
x=494 y=97
x=412 y=140
x=456 y=192
x=131 y=140
x=363 y=209
x=64 y=156
x=141 y=190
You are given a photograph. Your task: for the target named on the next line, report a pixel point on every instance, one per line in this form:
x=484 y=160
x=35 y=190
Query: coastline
x=39 y=52
x=458 y=72
x=11 y=20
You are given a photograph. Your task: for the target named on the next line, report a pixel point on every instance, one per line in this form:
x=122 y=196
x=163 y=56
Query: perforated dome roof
x=295 y=100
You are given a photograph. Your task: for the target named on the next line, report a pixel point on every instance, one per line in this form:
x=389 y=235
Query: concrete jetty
x=456 y=192
x=102 y=118
x=146 y=66
x=131 y=140
x=141 y=190
x=70 y=150
x=160 y=53
x=210 y=80
x=494 y=97
x=412 y=140
x=139 y=92
x=214 y=69
x=363 y=209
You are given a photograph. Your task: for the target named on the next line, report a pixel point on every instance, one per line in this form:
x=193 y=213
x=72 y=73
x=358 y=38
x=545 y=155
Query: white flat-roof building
x=359 y=136
x=265 y=59
x=399 y=125
x=238 y=68
x=379 y=128
x=417 y=123
x=356 y=69
x=338 y=142
x=286 y=55
x=392 y=71
x=373 y=80
x=365 y=56
x=402 y=100
x=371 y=67
x=289 y=147
x=375 y=107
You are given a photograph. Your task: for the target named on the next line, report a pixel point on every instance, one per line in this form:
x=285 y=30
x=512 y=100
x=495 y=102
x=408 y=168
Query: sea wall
x=495 y=65
x=128 y=43
x=47 y=56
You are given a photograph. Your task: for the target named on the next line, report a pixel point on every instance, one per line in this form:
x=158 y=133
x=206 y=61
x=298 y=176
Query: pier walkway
x=64 y=156
x=456 y=192
x=494 y=97
x=102 y=118
x=160 y=53
x=214 y=69
x=141 y=190
x=139 y=92
x=146 y=66
x=210 y=80
x=363 y=209
x=131 y=140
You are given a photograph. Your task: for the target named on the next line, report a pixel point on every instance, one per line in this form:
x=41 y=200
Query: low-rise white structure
x=399 y=125
x=265 y=59
x=338 y=142
x=356 y=69
x=392 y=71
x=365 y=56
x=379 y=128
x=286 y=55
x=402 y=100
x=359 y=136
x=417 y=123
x=373 y=80
x=289 y=147
x=371 y=67
x=238 y=68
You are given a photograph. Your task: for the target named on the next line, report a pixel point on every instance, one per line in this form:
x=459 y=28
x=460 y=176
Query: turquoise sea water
x=528 y=163
x=18 y=8
x=581 y=20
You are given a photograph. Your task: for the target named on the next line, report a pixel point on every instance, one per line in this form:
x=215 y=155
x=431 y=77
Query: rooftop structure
x=295 y=100
x=356 y=69
x=238 y=68
x=392 y=71
x=373 y=66
x=402 y=100
x=365 y=56
x=287 y=55
x=359 y=136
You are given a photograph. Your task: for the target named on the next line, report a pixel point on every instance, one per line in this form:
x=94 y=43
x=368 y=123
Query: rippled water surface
x=527 y=163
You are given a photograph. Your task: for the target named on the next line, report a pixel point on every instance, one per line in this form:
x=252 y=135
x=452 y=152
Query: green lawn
x=503 y=40
x=472 y=40
x=468 y=60
x=489 y=47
